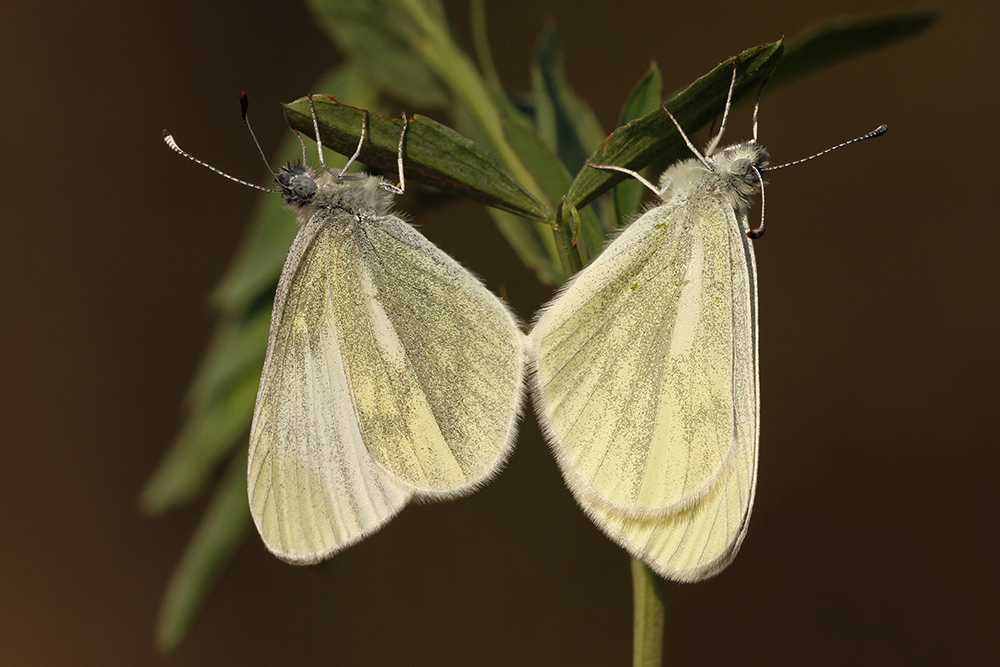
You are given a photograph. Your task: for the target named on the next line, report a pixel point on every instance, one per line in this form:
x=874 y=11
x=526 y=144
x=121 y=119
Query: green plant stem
x=566 y=238
x=477 y=8
x=647 y=624
x=436 y=48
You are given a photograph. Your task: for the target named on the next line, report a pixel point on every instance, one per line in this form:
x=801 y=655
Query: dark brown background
x=874 y=538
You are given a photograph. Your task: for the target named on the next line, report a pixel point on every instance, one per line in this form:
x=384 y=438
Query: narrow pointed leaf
x=567 y=126
x=431 y=41
x=842 y=38
x=563 y=120
x=377 y=35
x=207 y=439
x=253 y=272
x=434 y=154
x=530 y=239
x=222 y=530
x=481 y=47
x=654 y=137
x=554 y=179
x=645 y=98
x=235 y=352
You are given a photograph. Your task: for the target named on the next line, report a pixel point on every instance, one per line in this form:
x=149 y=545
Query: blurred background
x=874 y=536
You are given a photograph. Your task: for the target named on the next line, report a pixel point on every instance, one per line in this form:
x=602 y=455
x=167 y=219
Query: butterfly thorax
x=306 y=192
x=734 y=173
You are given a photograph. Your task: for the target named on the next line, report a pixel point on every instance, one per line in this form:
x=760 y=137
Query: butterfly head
x=737 y=169
x=298 y=186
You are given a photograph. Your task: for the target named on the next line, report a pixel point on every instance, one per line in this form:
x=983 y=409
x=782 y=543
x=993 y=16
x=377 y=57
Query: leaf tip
x=150 y=501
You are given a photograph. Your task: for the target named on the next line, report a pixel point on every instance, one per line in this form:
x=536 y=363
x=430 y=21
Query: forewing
x=634 y=365
x=677 y=479
x=700 y=541
x=435 y=361
x=314 y=487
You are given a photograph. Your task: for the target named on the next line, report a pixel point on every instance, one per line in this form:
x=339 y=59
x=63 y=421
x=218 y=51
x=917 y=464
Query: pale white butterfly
x=644 y=367
x=391 y=374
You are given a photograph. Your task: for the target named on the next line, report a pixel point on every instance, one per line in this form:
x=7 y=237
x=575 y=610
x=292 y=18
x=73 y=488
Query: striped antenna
x=244 y=104
x=877 y=132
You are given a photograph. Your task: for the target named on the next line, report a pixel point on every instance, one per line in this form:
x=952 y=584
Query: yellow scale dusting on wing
x=661 y=447
x=433 y=360
x=646 y=383
x=314 y=487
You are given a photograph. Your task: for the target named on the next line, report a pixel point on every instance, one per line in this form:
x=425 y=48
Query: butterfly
x=392 y=373
x=644 y=367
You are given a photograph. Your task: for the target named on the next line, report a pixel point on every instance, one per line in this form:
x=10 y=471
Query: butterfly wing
x=391 y=372
x=645 y=380
x=314 y=487
x=697 y=542
x=437 y=362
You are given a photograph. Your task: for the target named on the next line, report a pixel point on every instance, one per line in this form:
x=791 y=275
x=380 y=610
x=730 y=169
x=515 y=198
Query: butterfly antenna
x=877 y=132
x=305 y=158
x=756 y=108
x=244 y=108
x=634 y=174
x=319 y=142
x=169 y=139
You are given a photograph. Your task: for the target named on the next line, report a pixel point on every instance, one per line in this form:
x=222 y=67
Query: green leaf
x=552 y=176
x=480 y=43
x=377 y=35
x=434 y=154
x=209 y=436
x=236 y=350
x=530 y=239
x=533 y=243
x=210 y=552
x=431 y=41
x=563 y=121
x=549 y=172
x=570 y=129
x=254 y=272
x=645 y=98
x=221 y=399
x=654 y=137
x=841 y=38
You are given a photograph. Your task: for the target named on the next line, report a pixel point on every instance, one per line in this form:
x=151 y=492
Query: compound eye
x=740 y=165
x=303 y=186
